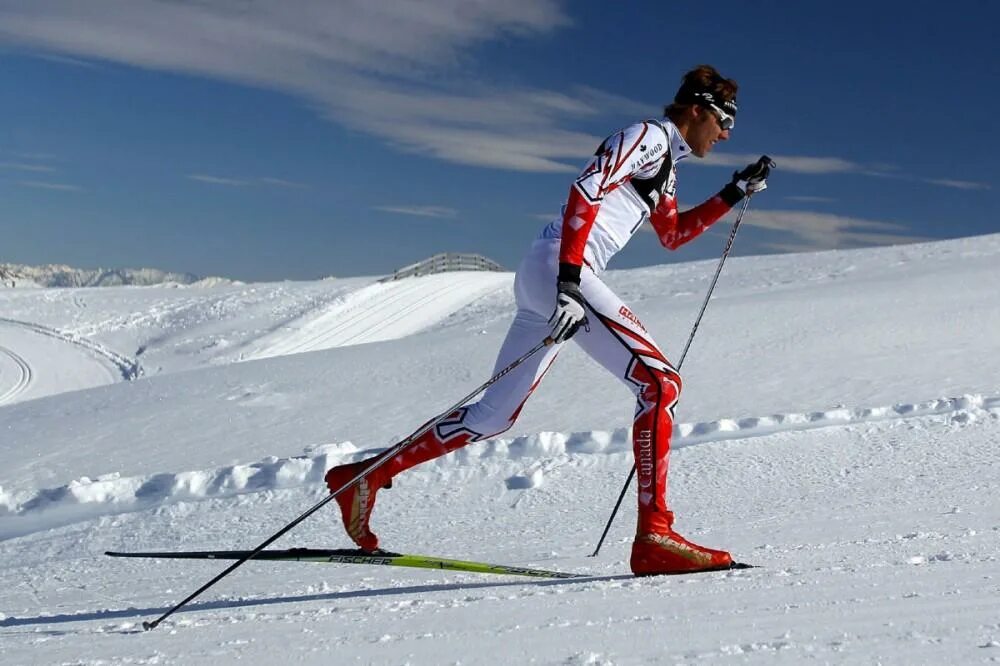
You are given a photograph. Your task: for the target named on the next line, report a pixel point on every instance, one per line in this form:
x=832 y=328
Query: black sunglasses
x=726 y=121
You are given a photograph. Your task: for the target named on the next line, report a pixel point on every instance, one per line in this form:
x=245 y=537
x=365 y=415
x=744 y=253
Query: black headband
x=703 y=97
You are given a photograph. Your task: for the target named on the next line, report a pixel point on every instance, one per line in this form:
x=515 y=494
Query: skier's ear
x=697 y=113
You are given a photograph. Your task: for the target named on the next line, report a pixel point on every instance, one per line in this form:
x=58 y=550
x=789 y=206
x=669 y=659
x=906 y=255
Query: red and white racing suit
x=631 y=179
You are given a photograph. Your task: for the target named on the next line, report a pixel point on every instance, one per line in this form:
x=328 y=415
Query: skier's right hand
x=569 y=314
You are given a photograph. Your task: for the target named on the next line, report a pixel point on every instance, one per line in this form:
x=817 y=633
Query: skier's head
x=704 y=108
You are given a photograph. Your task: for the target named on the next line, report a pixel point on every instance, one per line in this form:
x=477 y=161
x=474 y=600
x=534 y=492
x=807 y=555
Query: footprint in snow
x=525 y=481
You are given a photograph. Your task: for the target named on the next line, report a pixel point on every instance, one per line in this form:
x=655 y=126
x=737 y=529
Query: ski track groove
x=370 y=310
x=399 y=314
x=24 y=376
x=127 y=367
x=320 y=302
x=350 y=327
x=344 y=311
x=87 y=499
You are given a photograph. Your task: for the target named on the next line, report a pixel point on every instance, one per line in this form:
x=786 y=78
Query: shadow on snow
x=138 y=613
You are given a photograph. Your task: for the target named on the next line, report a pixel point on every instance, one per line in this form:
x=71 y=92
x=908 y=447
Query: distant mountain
x=53 y=275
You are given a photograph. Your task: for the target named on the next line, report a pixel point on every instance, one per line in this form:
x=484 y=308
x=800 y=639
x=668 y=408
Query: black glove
x=753 y=178
x=569 y=313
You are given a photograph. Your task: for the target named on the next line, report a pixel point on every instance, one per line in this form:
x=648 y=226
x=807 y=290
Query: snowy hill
x=55 y=275
x=838 y=427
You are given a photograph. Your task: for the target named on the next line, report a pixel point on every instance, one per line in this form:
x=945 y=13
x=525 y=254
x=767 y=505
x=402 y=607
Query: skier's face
x=706 y=131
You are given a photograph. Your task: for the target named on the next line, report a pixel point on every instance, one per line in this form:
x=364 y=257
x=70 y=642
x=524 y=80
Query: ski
x=379 y=557
x=348 y=556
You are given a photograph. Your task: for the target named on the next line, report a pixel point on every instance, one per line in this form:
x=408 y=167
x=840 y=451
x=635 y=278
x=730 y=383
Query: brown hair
x=702 y=78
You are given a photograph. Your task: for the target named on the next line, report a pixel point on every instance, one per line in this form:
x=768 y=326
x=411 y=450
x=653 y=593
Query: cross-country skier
x=559 y=293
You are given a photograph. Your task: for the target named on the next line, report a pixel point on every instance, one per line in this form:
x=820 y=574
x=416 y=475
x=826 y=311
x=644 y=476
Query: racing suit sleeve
x=674 y=229
x=615 y=161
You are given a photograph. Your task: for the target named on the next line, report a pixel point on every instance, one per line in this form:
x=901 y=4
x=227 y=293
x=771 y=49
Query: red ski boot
x=657 y=550
x=356 y=503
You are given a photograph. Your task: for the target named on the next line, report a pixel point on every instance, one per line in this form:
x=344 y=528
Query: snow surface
x=839 y=427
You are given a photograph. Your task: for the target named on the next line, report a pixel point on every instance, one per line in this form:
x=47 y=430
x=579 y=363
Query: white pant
x=614 y=337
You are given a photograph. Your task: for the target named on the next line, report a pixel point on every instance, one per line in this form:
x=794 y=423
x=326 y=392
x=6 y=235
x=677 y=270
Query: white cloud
x=397 y=69
x=827 y=165
x=217 y=180
x=811 y=199
x=419 y=211
x=21 y=166
x=792 y=163
x=807 y=231
x=400 y=70
x=546 y=217
x=824 y=231
x=66 y=60
x=34 y=157
x=281 y=182
x=244 y=182
x=959 y=184
x=61 y=187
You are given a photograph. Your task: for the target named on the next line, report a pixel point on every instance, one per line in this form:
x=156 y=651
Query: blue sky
x=297 y=139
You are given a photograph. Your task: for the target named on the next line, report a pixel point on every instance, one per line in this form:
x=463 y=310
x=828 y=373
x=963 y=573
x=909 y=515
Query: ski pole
x=380 y=460
x=694 y=329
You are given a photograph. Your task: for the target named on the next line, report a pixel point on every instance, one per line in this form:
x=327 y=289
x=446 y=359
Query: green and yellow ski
x=348 y=556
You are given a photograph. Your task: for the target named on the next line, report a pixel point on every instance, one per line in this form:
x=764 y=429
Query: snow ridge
x=86 y=498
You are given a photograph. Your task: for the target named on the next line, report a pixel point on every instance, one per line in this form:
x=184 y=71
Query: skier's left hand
x=569 y=314
x=753 y=178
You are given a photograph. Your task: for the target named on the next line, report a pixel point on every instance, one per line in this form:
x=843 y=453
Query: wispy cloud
x=36 y=157
x=22 y=166
x=792 y=163
x=410 y=85
x=281 y=182
x=809 y=230
x=810 y=199
x=66 y=60
x=959 y=184
x=245 y=182
x=833 y=165
x=218 y=180
x=507 y=129
x=419 y=211
x=40 y=185
x=940 y=182
x=414 y=86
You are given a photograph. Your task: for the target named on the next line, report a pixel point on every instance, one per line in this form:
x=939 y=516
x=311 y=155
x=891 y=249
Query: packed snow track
x=381 y=311
x=36 y=361
x=15 y=375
